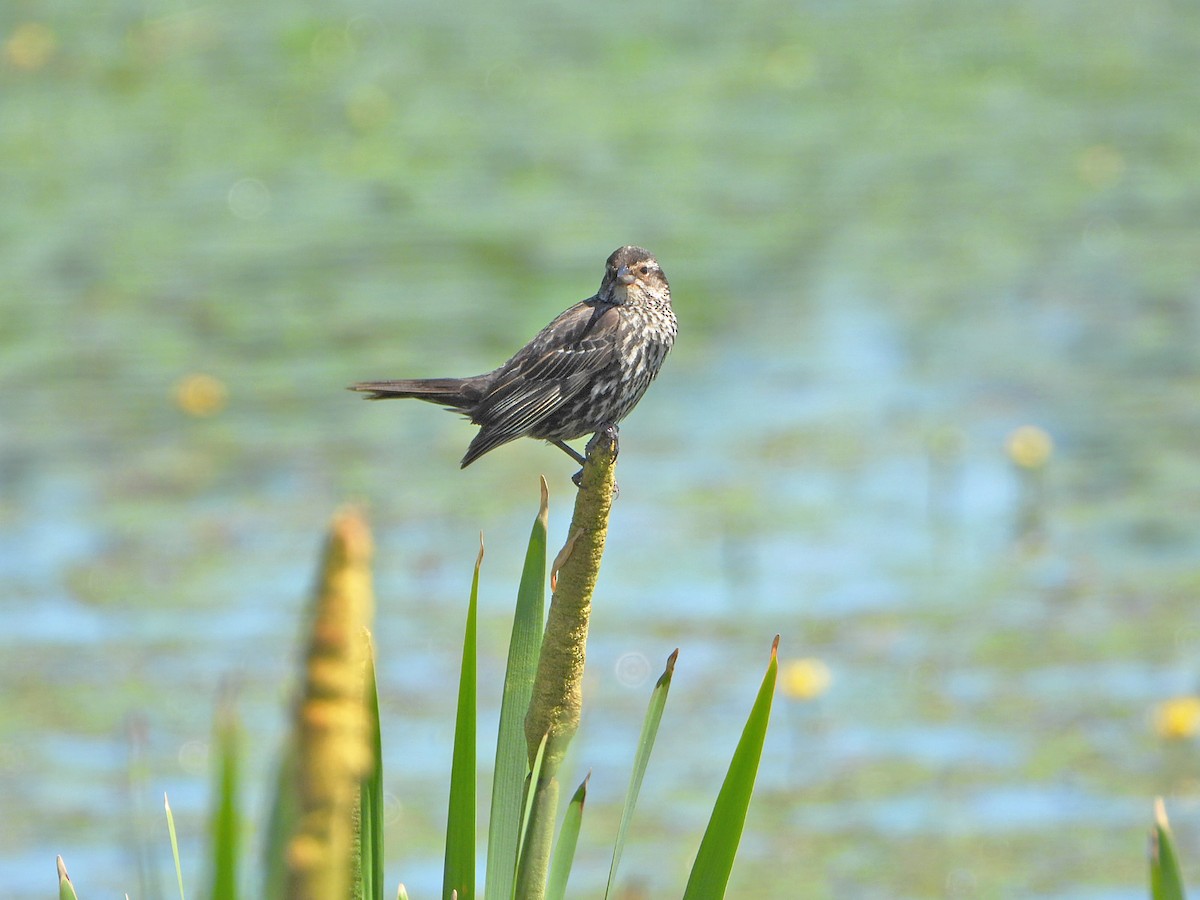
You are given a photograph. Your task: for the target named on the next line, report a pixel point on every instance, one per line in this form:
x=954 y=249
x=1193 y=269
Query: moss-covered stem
x=554 y=710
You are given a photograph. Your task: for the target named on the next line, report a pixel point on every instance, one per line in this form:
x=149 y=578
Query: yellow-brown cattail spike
x=332 y=747
x=554 y=710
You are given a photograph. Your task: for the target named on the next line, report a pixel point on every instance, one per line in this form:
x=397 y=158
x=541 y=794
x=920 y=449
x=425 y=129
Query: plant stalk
x=554 y=710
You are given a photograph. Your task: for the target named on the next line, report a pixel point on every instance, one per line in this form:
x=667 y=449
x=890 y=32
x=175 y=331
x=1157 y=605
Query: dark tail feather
x=453 y=392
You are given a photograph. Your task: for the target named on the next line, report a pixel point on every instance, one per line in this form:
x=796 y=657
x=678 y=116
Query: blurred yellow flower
x=805 y=679
x=1029 y=447
x=1177 y=718
x=200 y=395
x=30 y=46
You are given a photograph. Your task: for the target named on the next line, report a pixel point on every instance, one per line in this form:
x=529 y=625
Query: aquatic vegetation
x=325 y=836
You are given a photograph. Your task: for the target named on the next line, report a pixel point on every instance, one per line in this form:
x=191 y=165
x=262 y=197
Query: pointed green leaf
x=459 y=872
x=174 y=845
x=66 y=891
x=224 y=827
x=718 y=847
x=535 y=774
x=658 y=700
x=1166 y=879
x=512 y=754
x=564 y=849
x=370 y=798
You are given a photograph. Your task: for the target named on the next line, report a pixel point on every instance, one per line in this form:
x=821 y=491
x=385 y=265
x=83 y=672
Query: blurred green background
x=896 y=233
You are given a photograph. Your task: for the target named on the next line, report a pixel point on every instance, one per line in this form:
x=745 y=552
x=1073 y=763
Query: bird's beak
x=625 y=276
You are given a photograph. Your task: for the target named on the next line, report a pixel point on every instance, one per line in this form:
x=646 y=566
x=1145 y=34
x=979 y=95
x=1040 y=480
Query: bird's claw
x=609 y=433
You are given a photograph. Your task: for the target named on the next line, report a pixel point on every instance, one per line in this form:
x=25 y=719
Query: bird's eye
x=645 y=270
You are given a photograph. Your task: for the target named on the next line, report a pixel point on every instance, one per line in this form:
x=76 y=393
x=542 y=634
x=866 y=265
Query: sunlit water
x=891 y=244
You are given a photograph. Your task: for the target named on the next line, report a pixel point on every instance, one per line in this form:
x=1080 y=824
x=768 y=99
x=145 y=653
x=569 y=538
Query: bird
x=580 y=374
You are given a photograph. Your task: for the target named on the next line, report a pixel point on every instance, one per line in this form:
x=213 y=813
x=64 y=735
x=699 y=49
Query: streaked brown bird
x=583 y=372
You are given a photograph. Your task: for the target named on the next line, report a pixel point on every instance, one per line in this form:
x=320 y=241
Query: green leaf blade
x=564 y=850
x=174 y=845
x=459 y=871
x=654 y=713
x=370 y=836
x=718 y=847
x=529 y=800
x=66 y=890
x=224 y=828
x=512 y=753
x=1166 y=878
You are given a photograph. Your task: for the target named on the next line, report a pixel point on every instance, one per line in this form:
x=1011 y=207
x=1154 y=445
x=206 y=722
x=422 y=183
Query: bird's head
x=632 y=275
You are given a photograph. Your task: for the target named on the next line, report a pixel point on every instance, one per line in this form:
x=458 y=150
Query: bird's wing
x=543 y=376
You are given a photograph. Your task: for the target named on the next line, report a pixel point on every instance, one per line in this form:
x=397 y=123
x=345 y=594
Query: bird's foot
x=607 y=432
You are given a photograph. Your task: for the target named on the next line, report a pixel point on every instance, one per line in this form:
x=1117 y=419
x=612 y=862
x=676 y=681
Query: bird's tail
x=456 y=393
